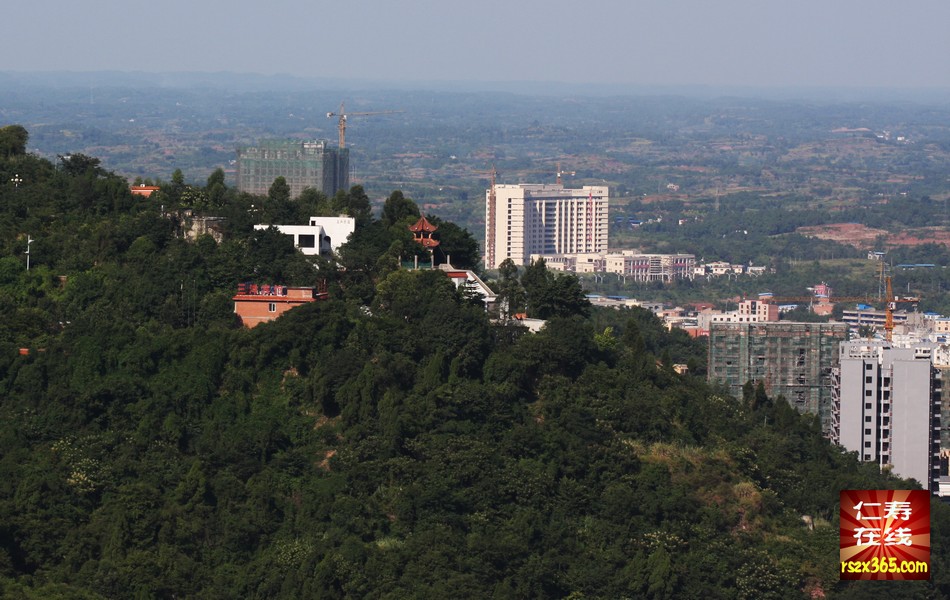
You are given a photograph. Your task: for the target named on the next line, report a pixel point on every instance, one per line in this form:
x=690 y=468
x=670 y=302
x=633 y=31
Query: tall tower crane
x=343 y=115
x=561 y=173
x=890 y=303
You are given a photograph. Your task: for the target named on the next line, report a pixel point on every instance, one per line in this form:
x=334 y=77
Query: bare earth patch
x=860 y=236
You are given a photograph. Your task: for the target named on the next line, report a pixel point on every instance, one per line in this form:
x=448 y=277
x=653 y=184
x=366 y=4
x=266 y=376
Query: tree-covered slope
x=390 y=442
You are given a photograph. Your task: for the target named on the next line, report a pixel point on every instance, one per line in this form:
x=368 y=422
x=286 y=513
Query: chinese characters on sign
x=885 y=534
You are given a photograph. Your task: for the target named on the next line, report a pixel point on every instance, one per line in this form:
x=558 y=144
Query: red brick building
x=257 y=304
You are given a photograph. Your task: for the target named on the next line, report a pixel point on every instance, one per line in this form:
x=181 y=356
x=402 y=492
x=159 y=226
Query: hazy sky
x=881 y=43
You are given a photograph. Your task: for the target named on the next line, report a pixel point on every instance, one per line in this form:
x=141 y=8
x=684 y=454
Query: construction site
x=791 y=360
x=302 y=164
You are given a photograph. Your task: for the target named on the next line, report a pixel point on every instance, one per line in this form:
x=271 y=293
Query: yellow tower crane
x=890 y=304
x=561 y=173
x=343 y=116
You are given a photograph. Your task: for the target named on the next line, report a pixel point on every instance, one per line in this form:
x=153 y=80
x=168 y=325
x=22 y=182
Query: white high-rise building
x=531 y=219
x=886 y=407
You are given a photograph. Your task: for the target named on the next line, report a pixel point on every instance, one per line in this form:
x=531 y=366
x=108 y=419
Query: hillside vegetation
x=390 y=442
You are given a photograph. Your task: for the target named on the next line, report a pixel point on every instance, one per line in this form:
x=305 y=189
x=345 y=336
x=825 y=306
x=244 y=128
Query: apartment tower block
x=886 y=407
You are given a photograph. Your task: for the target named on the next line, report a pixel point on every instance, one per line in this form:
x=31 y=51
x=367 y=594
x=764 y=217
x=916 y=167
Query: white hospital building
x=545 y=219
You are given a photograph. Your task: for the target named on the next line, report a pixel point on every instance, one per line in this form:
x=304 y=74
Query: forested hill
x=389 y=442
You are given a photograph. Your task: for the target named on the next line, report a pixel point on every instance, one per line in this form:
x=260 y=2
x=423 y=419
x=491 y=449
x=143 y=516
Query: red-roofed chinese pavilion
x=422 y=232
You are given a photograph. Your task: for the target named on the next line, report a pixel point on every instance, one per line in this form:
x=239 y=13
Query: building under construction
x=793 y=360
x=302 y=164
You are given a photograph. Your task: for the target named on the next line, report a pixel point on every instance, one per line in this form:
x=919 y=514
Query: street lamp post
x=16 y=180
x=29 y=241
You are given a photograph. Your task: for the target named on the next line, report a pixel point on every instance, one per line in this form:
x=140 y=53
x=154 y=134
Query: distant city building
x=941 y=324
x=622 y=302
x=871 y=317
x=574 y=263
x=822 y=290
x=651 y=267
x=260 y=303
x=749 y=311
x=790 y=359
x=544 y=219
x=719 y=268
x=302 y=164
x=886 y=407
x=626 y=263
x=321 y=236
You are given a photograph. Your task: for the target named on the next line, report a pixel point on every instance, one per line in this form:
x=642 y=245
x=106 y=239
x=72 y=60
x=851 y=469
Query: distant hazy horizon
x=281 y=82
x=845 y=44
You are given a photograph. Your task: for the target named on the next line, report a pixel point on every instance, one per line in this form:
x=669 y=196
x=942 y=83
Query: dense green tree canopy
x=13 y=140
x=279 y=191
x=398 y=208
x=389 y=442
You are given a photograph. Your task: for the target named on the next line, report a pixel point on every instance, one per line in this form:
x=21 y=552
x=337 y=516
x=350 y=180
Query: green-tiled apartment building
x=302 y=164
x=793 y=360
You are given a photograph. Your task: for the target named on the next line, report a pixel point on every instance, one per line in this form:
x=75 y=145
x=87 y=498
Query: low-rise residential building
x=260 y=303
x=941 y=324
x=322 y=235
x=720 y=268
